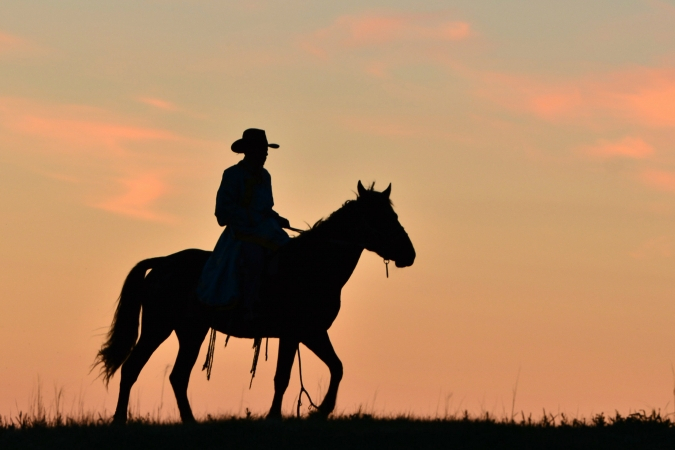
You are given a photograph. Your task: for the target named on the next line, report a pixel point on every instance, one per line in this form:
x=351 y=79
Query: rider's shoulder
x=240 y=173
x=234 y=171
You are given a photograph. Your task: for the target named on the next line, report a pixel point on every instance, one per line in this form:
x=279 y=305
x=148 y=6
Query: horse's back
x=190 y=258
x=175 y=277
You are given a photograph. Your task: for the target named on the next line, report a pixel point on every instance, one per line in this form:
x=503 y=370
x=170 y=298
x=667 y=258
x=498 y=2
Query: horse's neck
x=341 y=250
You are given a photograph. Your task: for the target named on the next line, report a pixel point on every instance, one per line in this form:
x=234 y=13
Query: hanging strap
x=208 y=364
x=257 y=342
x=302 y=388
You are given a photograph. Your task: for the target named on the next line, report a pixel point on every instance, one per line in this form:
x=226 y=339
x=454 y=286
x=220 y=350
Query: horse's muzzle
x=406 y=260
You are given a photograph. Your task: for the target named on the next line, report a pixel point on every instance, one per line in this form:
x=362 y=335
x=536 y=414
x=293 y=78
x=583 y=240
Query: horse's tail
x=123 y=332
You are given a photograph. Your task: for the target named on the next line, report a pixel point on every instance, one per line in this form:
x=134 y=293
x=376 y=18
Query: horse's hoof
x=318 y=414
x=273 y=416
x=119 y=420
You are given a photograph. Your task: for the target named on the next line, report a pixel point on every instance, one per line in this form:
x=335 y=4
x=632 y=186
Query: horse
x=299 y=301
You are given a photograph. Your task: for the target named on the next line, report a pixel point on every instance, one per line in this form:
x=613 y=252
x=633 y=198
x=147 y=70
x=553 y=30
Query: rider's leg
x=253 y=261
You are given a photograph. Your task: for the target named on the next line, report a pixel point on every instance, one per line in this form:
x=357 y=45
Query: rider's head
x=256 y=156
x=253 y=145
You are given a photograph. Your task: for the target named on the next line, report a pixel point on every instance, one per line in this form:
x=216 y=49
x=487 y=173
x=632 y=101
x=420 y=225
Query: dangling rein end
x=386 y=267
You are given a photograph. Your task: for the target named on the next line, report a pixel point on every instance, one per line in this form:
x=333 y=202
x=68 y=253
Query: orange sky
x=530 y=149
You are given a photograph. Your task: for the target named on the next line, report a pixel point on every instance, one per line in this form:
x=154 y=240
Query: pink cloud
x=652 y=98
x=140 y=195
x=640 y=100
x=367 y=30
x=454 y=31
x=10 y=43
x=75 y=125
x=95 y=148
x=628 y=147
x=642 y=96
x=158 y=103
x=377 y=69
x=552 y=104
x=659 y=179
x=82 y=132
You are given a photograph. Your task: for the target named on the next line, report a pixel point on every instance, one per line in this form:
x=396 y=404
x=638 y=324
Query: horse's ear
x=387 y=192
x=361 y=189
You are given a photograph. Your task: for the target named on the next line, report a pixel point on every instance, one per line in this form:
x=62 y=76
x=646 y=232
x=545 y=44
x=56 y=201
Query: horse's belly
x=277 y=317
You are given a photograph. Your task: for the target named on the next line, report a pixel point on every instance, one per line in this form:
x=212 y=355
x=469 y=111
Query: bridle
x=391 y=235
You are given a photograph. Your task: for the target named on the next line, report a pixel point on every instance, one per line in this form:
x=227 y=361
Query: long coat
x=244 y=205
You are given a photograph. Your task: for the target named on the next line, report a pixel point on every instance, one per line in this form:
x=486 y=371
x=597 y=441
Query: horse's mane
x=347 y=209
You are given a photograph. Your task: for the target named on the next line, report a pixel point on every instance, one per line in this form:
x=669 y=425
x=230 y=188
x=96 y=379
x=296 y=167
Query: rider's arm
x=282 y=221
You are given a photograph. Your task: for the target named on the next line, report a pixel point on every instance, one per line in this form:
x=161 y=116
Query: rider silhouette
x=253 y=229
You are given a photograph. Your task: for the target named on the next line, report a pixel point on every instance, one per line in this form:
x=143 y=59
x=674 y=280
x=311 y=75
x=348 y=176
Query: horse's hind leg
x=287 y=349
x=190 y=338
x=150 y=339
x=321 y=346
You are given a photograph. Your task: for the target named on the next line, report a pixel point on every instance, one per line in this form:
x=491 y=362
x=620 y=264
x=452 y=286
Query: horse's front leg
x=321 y=346
x=287 y=349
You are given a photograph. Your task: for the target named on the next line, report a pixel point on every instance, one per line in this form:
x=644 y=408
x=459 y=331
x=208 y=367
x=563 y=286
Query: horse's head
x=382 y=232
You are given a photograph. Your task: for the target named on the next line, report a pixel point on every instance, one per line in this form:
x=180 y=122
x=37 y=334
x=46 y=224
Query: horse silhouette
x=298 y=302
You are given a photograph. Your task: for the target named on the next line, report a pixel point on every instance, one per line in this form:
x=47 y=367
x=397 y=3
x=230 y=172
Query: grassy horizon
x=48 y=426
x=51 y=413
x=358 y=430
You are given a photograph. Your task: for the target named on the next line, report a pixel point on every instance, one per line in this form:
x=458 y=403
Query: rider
x=244 y=204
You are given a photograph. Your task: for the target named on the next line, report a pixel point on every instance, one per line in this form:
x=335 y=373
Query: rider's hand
x=283 y=222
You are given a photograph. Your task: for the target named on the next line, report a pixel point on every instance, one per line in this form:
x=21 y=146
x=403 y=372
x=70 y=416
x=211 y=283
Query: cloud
x=12 y=45
x=379 y=30
x=628 y=147
x=79 y=127
x=377 y=69
x=650 y=97
x=140 y=193
x=9 y=42
x=642 y=96
x=88 y=133
x=636 y=102
x=99 y=149
x=659 y=179
x=158 y=103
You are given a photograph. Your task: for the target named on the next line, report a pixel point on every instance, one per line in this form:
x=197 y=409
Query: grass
x=48 y=426
x=640 y=430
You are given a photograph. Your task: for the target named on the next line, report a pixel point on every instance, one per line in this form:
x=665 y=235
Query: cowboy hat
x=251 y=138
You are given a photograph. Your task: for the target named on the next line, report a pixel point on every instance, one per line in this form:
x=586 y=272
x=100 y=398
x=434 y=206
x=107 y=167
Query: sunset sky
x=530 y=147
